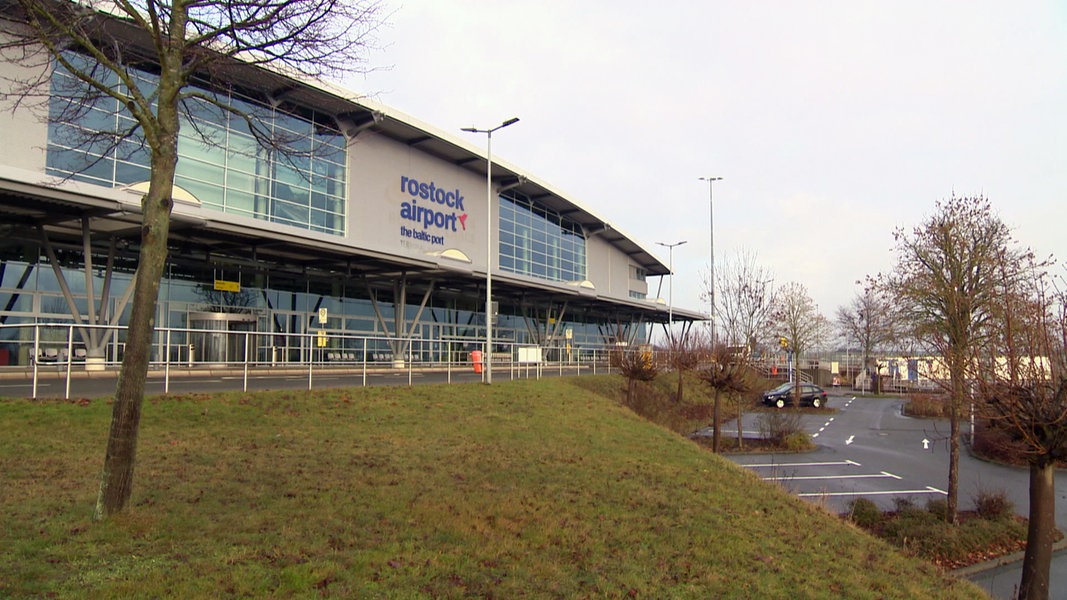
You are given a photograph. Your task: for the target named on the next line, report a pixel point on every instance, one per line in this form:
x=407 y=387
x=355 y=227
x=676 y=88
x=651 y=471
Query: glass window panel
x=242 y=162
x=103 y=169
x=240 y=182
x=205 y=192
x=95 y=119
x=127 y=173
x=240 y=202
x=202 y=170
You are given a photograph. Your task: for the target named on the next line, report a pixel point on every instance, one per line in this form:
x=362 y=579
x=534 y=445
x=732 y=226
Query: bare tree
x=101 y=44
x=945 y=283
x=635 y=364
x=745 y=294
x=727 y=373
x=870 y=320
x=1023 y=385
x=685 y=353
x=797 y=319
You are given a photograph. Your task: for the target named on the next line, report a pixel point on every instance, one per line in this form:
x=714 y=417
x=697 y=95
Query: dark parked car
x=782 y=396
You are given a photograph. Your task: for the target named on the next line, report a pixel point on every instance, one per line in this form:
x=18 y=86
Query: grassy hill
x=535 y=489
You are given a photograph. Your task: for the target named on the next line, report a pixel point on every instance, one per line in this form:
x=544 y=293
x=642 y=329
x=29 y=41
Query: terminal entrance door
x=220 y=338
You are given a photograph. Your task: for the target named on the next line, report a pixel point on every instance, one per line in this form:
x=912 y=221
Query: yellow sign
x=321 y=339
x=222 y=285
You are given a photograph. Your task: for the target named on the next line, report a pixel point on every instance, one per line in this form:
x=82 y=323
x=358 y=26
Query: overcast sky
x=831 y=123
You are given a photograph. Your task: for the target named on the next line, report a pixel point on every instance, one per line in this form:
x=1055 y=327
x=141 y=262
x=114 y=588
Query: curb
x=1000 y=561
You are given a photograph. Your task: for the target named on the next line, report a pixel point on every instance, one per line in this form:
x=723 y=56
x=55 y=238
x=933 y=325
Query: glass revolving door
x=219 y=338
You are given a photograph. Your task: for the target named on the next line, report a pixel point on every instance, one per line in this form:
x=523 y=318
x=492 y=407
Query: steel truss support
x=94 y=337
x=401 y=333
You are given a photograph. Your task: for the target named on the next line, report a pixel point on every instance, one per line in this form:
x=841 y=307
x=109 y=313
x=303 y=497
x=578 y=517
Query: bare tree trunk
x=740 y=428
x=952 y=502
x=1038 y=557
x=716 y=424
x=955 y=404
x=116 y=480
x=678 y=396
x=796 y=379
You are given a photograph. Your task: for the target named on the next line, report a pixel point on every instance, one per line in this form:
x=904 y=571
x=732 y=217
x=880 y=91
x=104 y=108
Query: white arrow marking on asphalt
x=926 y=444
x=849 y=440
x=807 y=464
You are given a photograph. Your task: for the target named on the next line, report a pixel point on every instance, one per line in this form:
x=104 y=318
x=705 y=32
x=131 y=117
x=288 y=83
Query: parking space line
x=882 y=475
x=928 y=490
x=807 y=464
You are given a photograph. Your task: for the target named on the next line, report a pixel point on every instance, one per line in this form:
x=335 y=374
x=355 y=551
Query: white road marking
x=808 y=464
x=882 y=475
x=928 y=490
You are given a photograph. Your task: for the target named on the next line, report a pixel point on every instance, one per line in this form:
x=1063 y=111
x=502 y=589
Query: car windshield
x=785 y=387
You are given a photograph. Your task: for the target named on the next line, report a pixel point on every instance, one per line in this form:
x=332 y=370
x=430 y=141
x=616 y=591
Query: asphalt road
x=866 y=447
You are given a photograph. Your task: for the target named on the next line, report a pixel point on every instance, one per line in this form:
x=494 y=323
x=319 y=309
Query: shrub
x=865 y=513
x=778 y=425
x=993 y=505
x=797 y=442
x=926 y=405
x=904 y=505
x=937 y=506
x=923 y=533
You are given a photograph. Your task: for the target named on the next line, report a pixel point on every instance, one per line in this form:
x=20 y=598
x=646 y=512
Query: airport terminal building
x=371 y=244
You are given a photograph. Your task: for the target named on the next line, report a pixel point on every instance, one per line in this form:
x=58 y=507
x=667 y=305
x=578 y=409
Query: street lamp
x=711 y=237
x=487 y=359
x=670 y=288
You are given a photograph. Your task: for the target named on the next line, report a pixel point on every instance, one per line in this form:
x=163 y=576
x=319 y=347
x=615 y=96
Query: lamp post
x=487 y=358
x=670 y=288
x=711 y=241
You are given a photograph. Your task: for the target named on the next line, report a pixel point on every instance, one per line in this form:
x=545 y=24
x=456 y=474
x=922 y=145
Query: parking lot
x=865 y=448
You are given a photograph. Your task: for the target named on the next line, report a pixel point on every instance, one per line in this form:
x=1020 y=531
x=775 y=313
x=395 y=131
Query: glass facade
x=538 y=242
x=282 y=166
x=282 y=318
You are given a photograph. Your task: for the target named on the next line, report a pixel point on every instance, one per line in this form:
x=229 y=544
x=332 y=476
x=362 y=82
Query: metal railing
x=57 y=350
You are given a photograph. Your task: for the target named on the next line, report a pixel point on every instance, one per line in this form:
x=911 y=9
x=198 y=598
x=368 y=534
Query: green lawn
x=538 y=489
